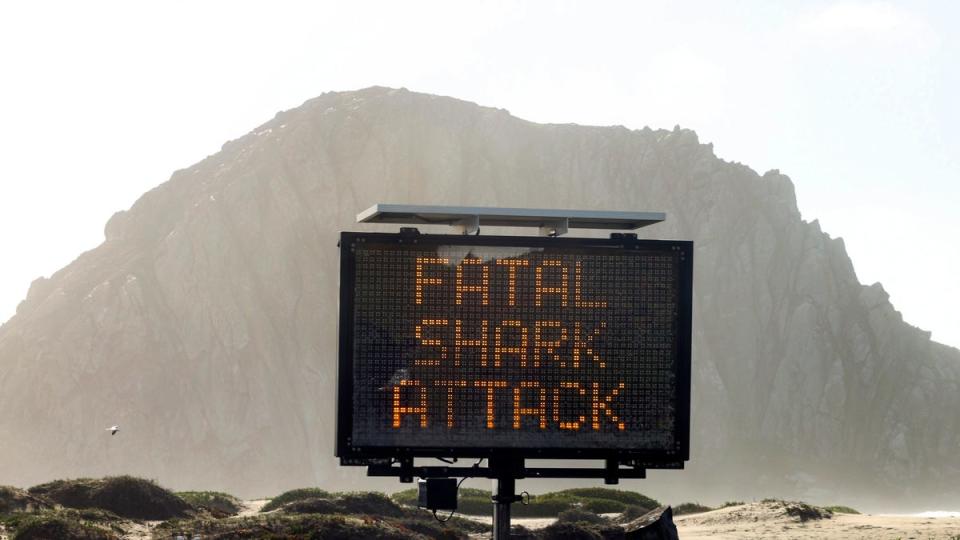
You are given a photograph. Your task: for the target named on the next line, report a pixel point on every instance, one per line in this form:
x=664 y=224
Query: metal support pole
x=504 y=494
x=506 y=470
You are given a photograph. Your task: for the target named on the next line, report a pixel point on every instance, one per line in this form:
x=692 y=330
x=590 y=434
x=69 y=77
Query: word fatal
x=550 y=278
x=506 y=340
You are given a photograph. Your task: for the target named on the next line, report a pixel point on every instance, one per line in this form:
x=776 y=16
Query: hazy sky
x=101 y=101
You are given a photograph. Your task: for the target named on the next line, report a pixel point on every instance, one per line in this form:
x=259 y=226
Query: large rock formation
x=205 y=323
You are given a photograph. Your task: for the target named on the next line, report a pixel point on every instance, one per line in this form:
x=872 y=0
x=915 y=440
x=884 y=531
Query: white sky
x=101 y=101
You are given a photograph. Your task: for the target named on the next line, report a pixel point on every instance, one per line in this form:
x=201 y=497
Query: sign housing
x=475 y=346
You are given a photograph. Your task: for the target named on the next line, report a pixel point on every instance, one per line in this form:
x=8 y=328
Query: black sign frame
x=349 y=453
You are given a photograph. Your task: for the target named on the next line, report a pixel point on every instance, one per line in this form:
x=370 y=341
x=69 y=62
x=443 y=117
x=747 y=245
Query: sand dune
x=771 y=520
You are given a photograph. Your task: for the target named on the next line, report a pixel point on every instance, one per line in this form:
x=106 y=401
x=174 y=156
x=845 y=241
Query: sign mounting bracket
x=558 y=227
x=469 y=225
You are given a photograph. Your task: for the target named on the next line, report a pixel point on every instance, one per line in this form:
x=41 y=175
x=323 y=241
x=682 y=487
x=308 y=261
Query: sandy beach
x=769 y=520
x=764 y=520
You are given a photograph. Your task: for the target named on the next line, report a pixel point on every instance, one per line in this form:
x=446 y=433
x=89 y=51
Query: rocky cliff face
x=205 y=323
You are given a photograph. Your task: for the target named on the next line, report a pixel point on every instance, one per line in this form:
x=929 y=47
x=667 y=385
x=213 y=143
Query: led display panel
x=548 y=347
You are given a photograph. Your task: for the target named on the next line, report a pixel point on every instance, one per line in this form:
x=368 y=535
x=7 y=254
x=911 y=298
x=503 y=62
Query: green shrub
x=519 y=532
x=315 y=505
x=631 y=513
x=474 y=492
x=690 y=508
x=294 y=495
x=476 y=506
x=50 y=526
x=430 y=530
x=604 y=506
x=619 y=495
x=17 y=500
x=610 y=531
x=597 y=500
x=11 y=522
x=569 y=531
x=456 y=522
x=91 y=515
x=357 y=503
x=217 y=502
x=543 y=506
x=408 y=497
x=476 y=502
x=841 y=509
x=277 y=525
x=579 y=515
x=126 y=496
x=805 y=512
x=732 y=503
x=459 y=523
x=323 y=527
x=367 y=502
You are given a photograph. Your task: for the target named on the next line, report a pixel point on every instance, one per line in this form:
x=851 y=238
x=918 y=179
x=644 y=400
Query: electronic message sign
x=544 y=347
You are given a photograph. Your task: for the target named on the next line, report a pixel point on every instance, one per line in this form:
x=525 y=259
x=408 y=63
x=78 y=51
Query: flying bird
x=113 y=430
